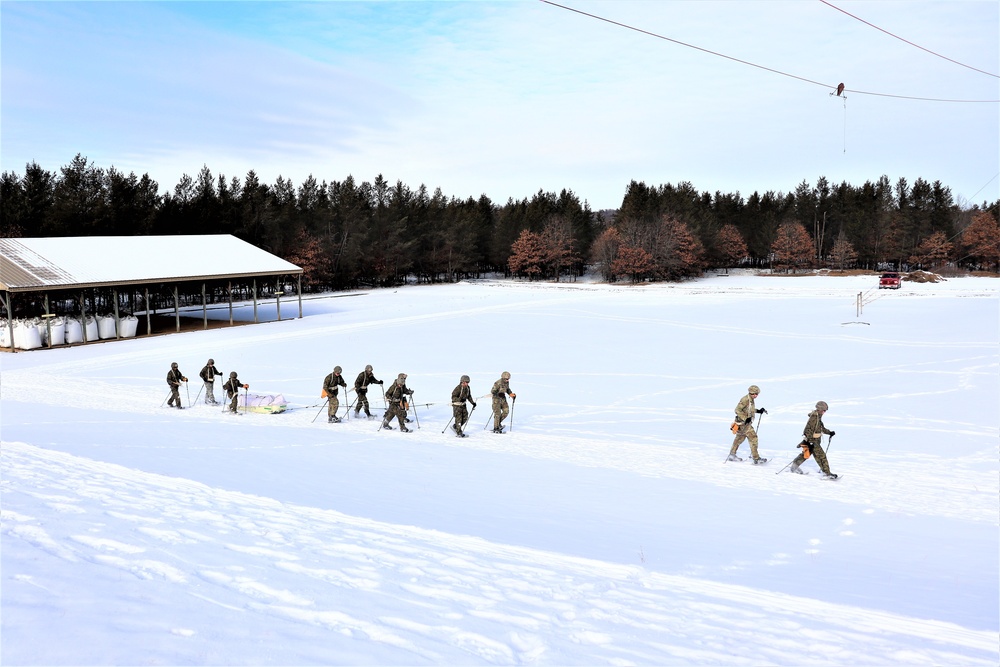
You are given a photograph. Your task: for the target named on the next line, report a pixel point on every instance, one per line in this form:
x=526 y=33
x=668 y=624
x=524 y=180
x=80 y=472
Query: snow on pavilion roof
x=35 y=264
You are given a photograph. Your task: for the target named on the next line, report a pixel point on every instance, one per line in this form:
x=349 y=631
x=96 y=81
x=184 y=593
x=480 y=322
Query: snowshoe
x=403 y=429
x=733 y=457
x=386 y=426
x=797 y=471
x=759 y=461
x=461 y=435
x=830 y=476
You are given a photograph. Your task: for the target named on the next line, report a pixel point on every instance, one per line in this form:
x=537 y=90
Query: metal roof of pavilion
x=37 y=264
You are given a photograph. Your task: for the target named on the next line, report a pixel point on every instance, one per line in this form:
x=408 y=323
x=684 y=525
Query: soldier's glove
x=185 y=379
x=473 y=404
x=410 y=392
x=761 y=411
x=381 y=382
x=833 y=433
x=748 y=420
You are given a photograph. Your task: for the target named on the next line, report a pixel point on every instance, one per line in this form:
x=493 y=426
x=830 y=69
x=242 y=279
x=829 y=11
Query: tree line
x=346 y=234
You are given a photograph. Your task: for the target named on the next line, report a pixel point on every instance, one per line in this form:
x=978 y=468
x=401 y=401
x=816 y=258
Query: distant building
x=117 y=279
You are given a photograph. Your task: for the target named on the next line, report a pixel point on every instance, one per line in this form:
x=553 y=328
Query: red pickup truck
x=889 y=280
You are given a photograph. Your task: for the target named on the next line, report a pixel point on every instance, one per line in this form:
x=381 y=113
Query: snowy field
x=604 y=529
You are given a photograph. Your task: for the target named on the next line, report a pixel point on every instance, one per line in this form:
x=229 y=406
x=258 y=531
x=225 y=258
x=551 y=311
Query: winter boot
x=795 y=469
x=759 y=460
x=829 y=475
x=404 y=429
x=386 y=426
x=733 y=457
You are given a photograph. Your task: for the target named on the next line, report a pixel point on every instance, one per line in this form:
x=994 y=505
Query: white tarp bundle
x=265 y=403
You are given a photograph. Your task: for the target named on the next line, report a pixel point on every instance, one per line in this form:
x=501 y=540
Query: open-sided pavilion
x=83 y=276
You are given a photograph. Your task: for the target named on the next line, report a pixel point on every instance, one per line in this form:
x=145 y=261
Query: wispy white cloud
x=501 y=98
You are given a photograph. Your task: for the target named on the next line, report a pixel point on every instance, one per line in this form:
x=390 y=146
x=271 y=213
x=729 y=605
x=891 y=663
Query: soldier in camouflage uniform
x=812 y=435
x=745 y=411
x=330 y=385
x=232 y=389
x=208 y=374
x=174 y=379
x=365 y=378
x=396 y=397
x=459 y=396
x=501 y=390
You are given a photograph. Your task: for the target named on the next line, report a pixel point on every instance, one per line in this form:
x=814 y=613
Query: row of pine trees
x=346 y=234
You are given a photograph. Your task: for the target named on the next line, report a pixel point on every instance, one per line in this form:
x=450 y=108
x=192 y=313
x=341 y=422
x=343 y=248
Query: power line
x=983 y=188
x=746 y=62
x=933 y=53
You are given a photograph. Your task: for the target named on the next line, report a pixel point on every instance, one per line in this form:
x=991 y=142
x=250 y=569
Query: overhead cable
x=933 y=53
x=767 y=69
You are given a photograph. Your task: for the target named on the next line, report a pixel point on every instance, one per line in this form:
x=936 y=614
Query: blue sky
x=506 y=98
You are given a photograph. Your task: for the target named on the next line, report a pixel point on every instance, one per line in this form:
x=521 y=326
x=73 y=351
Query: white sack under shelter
x=80 y=289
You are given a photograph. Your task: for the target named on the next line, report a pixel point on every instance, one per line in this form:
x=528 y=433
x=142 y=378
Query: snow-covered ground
x=604 y=529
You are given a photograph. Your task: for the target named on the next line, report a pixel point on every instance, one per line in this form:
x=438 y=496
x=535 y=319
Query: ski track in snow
x=912 y=488
x=430 y=597
x=492 y=603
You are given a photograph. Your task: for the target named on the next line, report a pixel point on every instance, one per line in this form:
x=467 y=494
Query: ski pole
x=829 y=444
x=385 y=418
x=320 y=410
x=165 y=398
x=415 y=417
x=198 y=395
x=448 y=424
x=783 y=469
x=492 y=414
x=790 y=462
x=246 y=397
x=513 y=402
x=469 y=418
x=187 y=388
